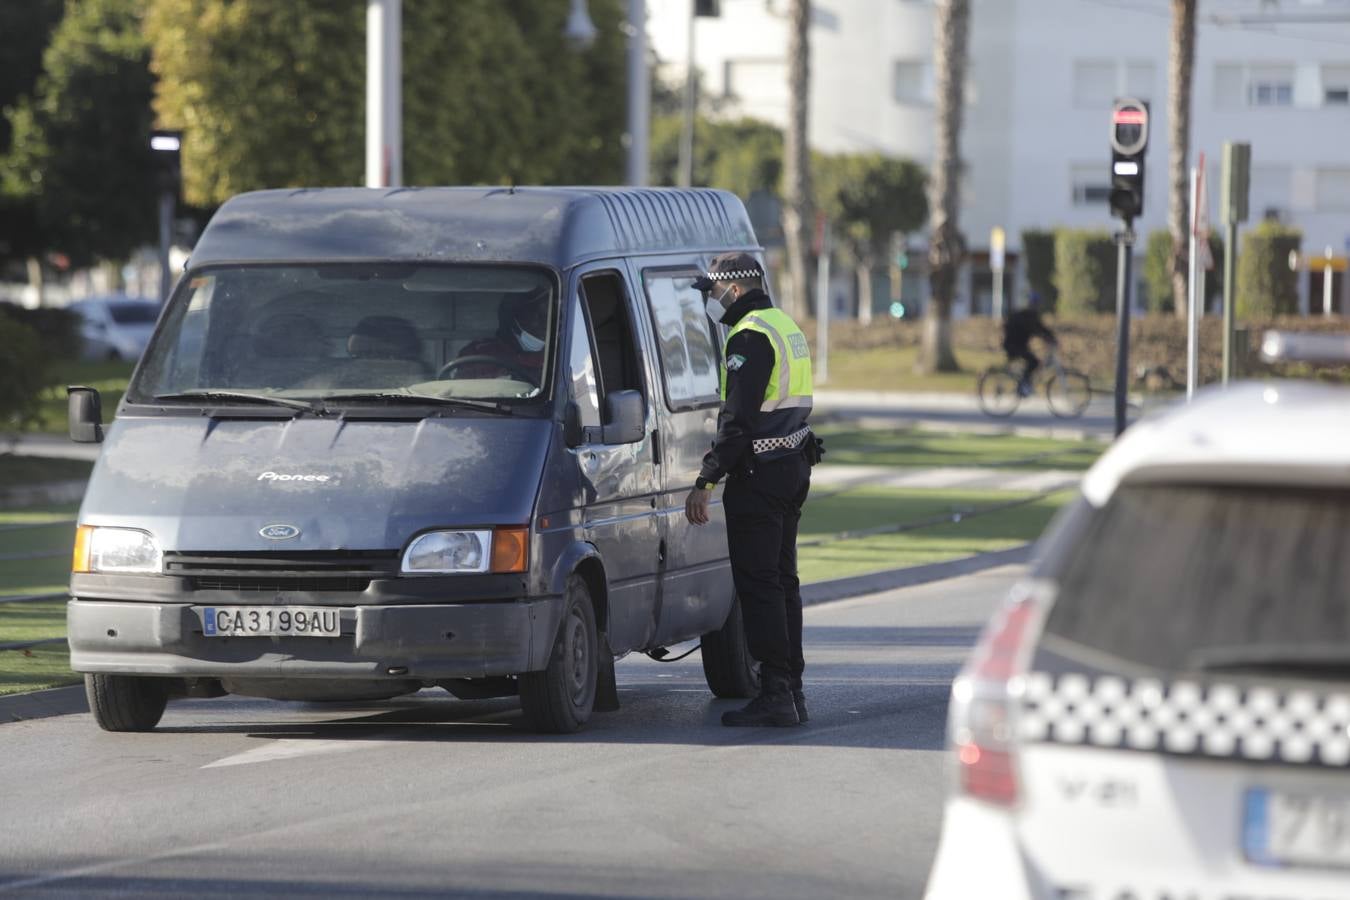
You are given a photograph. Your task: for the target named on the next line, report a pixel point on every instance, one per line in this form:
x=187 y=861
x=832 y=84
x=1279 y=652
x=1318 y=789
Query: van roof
x=555 y=226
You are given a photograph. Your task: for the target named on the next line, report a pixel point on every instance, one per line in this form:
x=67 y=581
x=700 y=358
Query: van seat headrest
x=384 y=337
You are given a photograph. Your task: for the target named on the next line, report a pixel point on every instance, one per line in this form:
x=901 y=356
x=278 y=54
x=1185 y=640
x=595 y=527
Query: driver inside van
x=516 y=350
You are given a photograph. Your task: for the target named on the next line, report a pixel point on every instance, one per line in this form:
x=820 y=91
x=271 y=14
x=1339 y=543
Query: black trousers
x=1024 y=354
x=763 y=510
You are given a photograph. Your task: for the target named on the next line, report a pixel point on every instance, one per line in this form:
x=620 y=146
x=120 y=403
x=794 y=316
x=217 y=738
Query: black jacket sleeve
x=749 y=364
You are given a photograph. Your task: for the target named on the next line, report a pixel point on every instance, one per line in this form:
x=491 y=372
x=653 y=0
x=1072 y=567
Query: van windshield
x=345 y=330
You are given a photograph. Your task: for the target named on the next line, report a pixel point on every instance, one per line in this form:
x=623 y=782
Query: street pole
x=165 y=242
x=1193 y=316
x=639 y=94
x=1327 y=279
x=822 y=367
x=384 y=93
x=1229 y=292
x=1125 y=241
x=690 y=104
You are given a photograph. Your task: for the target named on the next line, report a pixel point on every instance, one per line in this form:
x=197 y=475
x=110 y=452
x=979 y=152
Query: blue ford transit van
x=384 y=440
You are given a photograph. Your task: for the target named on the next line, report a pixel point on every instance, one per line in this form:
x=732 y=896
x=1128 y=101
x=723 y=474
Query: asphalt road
x=436 y=797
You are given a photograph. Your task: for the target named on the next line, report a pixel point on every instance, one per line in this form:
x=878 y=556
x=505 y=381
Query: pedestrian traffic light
x=166 y=149
x=1129 y=139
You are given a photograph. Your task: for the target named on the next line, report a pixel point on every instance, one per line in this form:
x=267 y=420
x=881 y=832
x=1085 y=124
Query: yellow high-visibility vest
x=790 y=384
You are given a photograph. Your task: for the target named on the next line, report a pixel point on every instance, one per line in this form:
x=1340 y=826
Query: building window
x=1336 y=85
x=912 y=81
x=1237 y=85
x=1333 y=190
x=1098 y=82
x=1091 y=184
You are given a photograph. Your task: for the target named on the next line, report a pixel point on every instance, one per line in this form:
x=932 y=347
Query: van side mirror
x=84 y=410
x=573 y=433
x=624 y=423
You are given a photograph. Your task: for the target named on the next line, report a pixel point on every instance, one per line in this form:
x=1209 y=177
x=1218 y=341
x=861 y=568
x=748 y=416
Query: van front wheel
x=727 y=663
x=559 y=699
x=126 y=702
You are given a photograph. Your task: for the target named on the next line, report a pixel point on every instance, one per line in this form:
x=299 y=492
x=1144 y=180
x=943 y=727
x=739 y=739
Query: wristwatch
x=704 y=484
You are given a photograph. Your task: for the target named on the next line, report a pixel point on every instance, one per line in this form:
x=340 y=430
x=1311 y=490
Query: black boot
x=773 y=706
x=799 y=701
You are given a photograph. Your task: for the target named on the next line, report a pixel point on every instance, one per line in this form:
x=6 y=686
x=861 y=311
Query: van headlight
x=130 y=550
x=467 y=552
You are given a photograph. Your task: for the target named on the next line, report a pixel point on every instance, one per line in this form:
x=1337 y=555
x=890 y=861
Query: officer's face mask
x=717 y=306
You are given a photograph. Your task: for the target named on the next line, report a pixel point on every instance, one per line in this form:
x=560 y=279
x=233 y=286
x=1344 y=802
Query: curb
x=62 y=701
x=65 y=701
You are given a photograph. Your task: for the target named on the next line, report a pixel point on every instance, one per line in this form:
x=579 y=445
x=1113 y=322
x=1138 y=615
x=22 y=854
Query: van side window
x=616 y=357
x=689 y=354
x=581 y=370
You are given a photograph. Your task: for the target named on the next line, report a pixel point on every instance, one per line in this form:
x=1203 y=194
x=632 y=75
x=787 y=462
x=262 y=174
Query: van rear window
x=1197 y=577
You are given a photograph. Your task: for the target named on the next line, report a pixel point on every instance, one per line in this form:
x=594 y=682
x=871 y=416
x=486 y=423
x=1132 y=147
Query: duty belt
x=791 y=442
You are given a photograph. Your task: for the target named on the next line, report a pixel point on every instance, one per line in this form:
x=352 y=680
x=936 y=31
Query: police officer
x=765 y=449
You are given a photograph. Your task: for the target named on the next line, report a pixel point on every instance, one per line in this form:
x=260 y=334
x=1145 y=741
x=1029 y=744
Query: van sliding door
x=618 y=481
x=697 y=589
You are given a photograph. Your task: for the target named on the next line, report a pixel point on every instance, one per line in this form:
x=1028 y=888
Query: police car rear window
x=1199 y=578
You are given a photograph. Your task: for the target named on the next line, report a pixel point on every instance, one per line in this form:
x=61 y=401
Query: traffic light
x=707 y=9
x=1129 y=140
x=166 y=148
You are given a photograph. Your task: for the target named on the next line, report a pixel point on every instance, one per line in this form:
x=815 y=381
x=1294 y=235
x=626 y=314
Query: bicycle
x=1067 y=391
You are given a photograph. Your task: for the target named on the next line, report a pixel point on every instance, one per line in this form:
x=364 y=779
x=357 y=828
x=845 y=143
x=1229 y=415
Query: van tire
x=727 y=664
x=126 y=702
x=559 y=699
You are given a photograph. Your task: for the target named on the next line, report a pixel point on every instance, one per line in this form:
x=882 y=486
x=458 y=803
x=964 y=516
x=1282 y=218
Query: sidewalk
x=826 y=475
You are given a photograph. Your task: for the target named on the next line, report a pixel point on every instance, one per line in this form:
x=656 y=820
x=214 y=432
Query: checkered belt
x=791 y=442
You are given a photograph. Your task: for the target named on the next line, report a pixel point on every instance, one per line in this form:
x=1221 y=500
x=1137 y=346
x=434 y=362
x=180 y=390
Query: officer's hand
x=696 y=506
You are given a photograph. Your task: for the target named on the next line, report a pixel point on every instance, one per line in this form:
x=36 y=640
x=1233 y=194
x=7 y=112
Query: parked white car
x=116 y=327
x=1162 y=708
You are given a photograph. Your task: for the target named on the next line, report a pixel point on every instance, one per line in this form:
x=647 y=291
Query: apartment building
x=1275 y=73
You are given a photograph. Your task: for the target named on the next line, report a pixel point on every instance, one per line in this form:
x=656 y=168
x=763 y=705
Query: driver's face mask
x=528 y=342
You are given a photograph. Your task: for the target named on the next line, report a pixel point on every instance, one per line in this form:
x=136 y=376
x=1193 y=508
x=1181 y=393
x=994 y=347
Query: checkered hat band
x=1187 y=718
x=735 y=275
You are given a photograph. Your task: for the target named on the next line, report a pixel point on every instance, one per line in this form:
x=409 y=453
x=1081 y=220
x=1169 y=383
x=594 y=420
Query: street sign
x=1235 y=182
x=1200 y=219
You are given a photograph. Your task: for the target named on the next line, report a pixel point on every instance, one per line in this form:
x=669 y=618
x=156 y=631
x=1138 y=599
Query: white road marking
x=292 y=748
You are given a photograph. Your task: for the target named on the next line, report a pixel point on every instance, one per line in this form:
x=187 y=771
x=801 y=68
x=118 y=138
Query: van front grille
x=319 y=570
x=275 y=585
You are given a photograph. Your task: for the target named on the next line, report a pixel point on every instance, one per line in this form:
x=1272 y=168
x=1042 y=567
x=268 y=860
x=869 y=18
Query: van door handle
x=656 y=448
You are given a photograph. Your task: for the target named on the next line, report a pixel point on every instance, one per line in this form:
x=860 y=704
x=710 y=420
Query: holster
x=814 y=448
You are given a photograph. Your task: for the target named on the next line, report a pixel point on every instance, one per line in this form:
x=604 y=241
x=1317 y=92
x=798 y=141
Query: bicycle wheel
x=1068 y=393
x=997 y=390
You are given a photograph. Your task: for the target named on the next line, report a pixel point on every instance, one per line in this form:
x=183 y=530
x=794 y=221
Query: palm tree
x=946 y=247
x=1181 y=62
x=797 y=156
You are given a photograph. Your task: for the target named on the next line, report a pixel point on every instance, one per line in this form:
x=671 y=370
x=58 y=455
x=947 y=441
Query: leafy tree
x=272 y=94
x=797 y=193
x=1180 y=69
x=25 y=29
x=744 y=156
x=1085 y=271
x=869 y=198
x=1158 y=271
x=80 y=149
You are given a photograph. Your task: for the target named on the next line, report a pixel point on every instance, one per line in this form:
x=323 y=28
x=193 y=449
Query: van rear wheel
x=559 y=699
x=727 y=664
x=126 y=702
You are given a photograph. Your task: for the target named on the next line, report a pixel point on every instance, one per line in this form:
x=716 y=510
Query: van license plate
x=1286 y=828
x=270 y=621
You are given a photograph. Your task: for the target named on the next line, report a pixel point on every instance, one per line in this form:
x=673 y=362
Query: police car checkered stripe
x=736 y=275
x=791 y=442
x=1183 y=717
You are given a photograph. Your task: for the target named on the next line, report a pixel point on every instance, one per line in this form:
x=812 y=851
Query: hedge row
x=1073 y=271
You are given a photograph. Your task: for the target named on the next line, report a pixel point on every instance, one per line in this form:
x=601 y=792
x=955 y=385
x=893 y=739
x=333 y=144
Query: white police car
x=1162 y=708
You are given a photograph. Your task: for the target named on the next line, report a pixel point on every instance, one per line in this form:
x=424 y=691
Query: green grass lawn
x=892 y=369
x=38 y=667
x=25 y=470
x=980 y=533
x=108 y=378
x=920 y=448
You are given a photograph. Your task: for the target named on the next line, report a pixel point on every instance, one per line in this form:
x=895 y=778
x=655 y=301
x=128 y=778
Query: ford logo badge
x=279 y=532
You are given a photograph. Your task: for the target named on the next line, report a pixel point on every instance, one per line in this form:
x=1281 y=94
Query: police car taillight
x=983 y=710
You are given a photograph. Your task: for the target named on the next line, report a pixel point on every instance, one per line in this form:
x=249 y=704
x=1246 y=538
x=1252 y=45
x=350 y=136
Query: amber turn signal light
x=79 y=561
x=509 y=549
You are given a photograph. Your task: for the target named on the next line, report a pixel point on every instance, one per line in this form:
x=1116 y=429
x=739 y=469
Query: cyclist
x=1020 y=327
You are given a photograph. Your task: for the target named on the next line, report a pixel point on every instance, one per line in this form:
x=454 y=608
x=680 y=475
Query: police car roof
x=1286 y=433
x=555 y=226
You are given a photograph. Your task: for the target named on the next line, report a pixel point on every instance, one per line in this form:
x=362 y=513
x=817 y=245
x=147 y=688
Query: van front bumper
x=397 y=642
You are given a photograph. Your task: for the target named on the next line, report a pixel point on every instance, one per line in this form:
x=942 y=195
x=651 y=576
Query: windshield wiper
x=424 y=400
x=240 y=396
